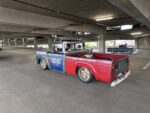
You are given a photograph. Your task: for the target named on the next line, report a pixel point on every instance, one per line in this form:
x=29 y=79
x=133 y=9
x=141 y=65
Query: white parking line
x=146 y=66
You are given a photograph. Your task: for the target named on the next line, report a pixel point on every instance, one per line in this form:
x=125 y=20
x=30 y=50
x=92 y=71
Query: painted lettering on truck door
x=57 y=62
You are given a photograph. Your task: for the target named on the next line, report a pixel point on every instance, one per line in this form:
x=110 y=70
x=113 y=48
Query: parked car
x=121 y=49
x=72 y=58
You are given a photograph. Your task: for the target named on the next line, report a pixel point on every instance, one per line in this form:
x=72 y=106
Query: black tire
x=43 y=64
x=86 y=77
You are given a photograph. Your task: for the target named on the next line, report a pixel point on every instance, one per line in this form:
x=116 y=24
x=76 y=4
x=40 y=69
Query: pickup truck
x=121 y=49
x=72 y=58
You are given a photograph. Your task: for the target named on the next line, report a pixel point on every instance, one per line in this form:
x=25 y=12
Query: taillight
x=113 y=75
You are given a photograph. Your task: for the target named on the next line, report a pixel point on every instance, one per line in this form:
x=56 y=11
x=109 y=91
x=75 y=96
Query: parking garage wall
x=143 y=43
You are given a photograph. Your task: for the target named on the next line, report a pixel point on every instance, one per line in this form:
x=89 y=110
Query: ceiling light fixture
x=104 y=18
x=126 y=27
x=87 y=33
x=136 y=33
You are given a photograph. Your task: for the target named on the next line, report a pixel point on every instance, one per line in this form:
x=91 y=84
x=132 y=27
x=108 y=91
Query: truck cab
x=68 y=46
x=61 y=48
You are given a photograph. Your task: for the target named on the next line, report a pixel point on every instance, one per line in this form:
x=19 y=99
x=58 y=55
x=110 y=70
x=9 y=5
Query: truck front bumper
x=120 y=79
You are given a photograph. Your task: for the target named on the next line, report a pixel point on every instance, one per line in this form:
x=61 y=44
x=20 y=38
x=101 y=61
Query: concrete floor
x=24 y=88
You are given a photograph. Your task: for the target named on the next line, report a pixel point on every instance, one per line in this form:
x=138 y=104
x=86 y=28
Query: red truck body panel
x=102 y=66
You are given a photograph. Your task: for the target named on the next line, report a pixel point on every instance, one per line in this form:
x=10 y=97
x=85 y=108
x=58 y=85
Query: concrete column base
x=50 y=43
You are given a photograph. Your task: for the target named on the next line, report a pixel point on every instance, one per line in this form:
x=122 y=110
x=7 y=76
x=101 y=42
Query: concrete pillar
x=136 y=44
x=9 y=42
x=35 y=43
x=50 y=42
x=114 y=43
x=15 y=42
x=24 y=42
x=3 y=42
x=101 y=43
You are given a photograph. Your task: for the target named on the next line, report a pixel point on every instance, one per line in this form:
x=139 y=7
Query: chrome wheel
x=84 y=75
x=43 y=64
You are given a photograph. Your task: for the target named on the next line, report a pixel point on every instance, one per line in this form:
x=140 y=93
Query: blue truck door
x=57 y=62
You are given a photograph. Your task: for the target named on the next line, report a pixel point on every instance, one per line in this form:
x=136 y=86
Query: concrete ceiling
x=127 y=33
x=138 y=9
x=77 y=10
x=61 y=16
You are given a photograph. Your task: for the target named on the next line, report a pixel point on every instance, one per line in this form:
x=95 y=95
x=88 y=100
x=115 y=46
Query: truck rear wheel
x=84 y=75
x=43 y=64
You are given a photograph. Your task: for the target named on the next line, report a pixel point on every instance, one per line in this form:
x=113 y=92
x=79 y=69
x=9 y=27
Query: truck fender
x=86 y=65
x=46 y=58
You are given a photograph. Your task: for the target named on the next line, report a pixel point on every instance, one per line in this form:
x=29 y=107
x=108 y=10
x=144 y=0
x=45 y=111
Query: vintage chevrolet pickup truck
x=71 y=58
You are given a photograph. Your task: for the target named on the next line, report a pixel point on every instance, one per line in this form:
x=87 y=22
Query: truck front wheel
x=84 y=75
x=43 y=64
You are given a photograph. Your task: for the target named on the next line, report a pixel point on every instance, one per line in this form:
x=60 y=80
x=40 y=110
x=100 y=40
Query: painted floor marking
x=146 y=66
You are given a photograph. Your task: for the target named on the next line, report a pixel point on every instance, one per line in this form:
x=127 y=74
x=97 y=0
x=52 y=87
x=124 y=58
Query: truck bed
x=105 y=67
x=99 y=56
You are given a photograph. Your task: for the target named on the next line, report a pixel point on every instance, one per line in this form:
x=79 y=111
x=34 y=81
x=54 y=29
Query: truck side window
x=59 y=49
x=68 y=47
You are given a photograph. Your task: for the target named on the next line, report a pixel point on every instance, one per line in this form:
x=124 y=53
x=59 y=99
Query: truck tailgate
x=122 y=66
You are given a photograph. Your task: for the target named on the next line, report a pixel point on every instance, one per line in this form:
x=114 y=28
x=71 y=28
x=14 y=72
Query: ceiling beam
x=138 y=9
x=12 y=16
x=26 y=19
